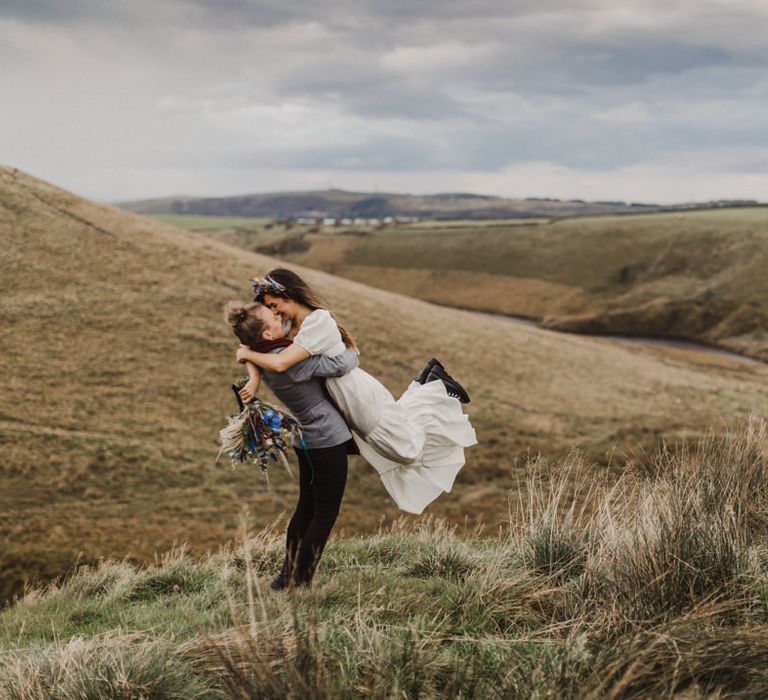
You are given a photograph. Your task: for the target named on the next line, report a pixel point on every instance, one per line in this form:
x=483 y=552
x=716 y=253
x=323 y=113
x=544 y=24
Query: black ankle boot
x=451 y=385
x=279 y=582
x=432 y=362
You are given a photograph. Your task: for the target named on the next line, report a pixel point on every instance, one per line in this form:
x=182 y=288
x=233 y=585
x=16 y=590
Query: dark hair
x=296 y=289
x=245 y=321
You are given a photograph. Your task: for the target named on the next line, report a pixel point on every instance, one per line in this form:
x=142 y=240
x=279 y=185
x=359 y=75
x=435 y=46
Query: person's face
x=273 y=324
x=285 y=307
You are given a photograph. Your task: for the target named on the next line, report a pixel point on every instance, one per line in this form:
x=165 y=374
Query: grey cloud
x=567 y=67
x=572 y=140
x=352 y=14
x=633 y=60
x=407 y=102
x=373 y=85
x=383 y=98
x=379 y=153
x=73 y=13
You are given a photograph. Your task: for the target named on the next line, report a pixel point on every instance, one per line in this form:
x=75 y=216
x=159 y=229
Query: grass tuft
x=558 y=530
x=451 y=565
x=120 y=667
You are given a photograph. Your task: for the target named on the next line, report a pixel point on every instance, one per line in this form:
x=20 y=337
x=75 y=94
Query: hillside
x=699 y=276
x=656 y=589
x=116 y=379
x=342 y=204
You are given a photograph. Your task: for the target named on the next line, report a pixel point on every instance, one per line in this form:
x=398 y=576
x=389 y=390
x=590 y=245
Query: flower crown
x=265 y=285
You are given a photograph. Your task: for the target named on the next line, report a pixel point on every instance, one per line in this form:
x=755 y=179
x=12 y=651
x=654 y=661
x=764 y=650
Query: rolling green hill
x=699 y=276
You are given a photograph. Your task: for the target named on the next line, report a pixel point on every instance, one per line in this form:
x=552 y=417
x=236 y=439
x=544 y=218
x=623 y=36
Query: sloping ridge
x=340 y=203
x=117 y=370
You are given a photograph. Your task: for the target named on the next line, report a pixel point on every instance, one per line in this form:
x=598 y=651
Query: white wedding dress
x=416 y=443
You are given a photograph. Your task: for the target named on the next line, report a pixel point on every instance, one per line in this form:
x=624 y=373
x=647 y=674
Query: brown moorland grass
x=695 y=275
x=608 y=601
x=116 y=373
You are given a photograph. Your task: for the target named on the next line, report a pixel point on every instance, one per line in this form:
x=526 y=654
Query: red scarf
x=270 y=345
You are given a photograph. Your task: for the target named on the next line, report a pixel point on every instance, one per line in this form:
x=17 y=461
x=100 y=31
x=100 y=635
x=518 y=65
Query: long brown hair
x=245 y=321
x=296 y=289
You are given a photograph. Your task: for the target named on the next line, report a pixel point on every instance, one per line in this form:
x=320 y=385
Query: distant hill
x=116 y=373
x=699 y=275
x=352 y=205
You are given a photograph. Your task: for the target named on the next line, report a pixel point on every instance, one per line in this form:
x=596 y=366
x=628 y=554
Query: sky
x=635 y=100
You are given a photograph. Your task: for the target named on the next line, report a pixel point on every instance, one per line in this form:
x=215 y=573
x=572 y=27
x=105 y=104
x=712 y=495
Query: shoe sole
x=459 y=392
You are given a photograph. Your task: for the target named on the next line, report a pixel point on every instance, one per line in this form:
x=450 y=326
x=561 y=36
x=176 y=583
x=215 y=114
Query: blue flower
x=275 y=423
x=273 y=420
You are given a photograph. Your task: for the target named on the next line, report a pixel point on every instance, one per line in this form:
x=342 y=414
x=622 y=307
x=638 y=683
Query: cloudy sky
x=641 y=100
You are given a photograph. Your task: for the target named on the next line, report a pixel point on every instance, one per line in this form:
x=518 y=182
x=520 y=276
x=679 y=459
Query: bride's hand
x=248 y=392
x=242 y=353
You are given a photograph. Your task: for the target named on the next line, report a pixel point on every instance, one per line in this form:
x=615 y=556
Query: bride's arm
x=250 y=388
x=322 y=366
x=273 y=362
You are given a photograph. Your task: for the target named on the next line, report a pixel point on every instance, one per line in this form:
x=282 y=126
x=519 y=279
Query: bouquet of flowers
x=260 y=433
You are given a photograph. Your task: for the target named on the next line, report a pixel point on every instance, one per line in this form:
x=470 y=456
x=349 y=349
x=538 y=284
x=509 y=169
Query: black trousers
x=322 y=478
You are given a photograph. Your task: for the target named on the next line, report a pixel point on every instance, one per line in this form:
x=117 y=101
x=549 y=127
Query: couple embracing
x=291 y=342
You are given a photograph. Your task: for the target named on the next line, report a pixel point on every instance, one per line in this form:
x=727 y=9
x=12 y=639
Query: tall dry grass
x=655 y=587
x=119 y=666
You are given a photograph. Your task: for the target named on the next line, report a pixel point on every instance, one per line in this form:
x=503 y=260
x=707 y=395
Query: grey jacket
x=300 y=388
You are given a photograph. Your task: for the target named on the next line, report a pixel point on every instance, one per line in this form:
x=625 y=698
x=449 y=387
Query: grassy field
x=203 y=223
x=117 y=366
x=653 y=587
x=697 y=276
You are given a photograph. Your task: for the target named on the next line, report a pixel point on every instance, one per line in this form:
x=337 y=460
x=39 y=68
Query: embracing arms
x=315 y=366
x=322 y=366
x=274 y=362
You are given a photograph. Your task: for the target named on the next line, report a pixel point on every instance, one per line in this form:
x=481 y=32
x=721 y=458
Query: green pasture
x=585 y=252
x=209 y=223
